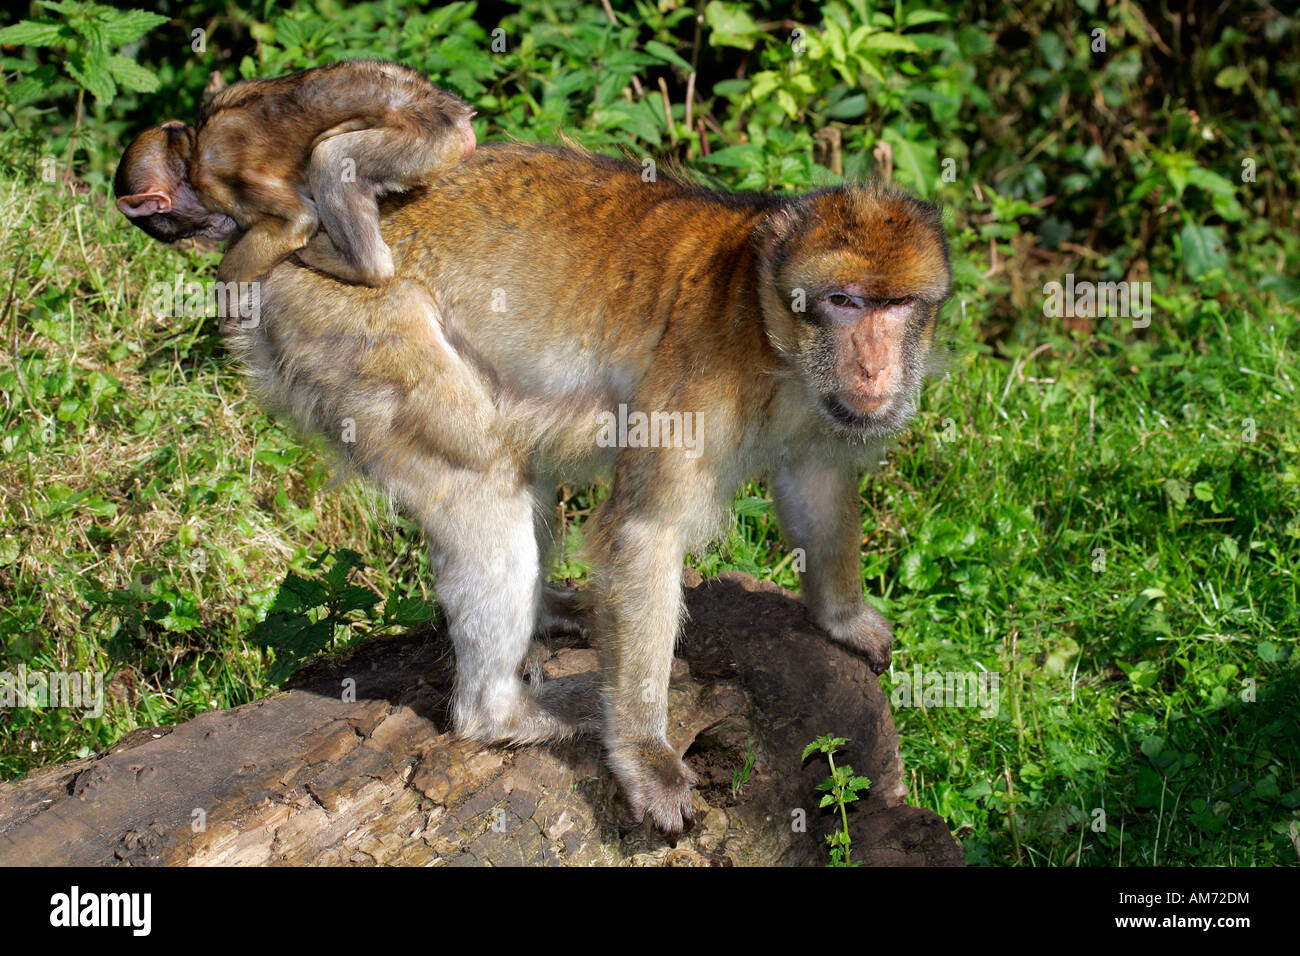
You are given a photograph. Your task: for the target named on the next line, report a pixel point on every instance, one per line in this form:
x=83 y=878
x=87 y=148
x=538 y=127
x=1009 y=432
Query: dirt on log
x=352 y=764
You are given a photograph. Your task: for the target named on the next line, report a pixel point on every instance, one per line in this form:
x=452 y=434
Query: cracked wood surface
x=315 y=776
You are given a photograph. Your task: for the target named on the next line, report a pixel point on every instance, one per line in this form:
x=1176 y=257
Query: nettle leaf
x=730 y=25
x=640 y=118
x=297 y=593
x=746 y=156
x=32 y=33
x=279 y=629
x=131 y=75
x=97 y=82
x=1203 y=250
x=35 y=84
x=127 y=26
x=407 y=611
x=752 y=507
x=356 y=598
x=310 y=639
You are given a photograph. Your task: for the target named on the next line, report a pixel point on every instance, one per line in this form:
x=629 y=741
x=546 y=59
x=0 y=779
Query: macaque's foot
x=575 y=699
x=654 y=781
x=322 y=255
x=561 y=708
x=562 y=612
x=531 y=670
x=868 y=633
x=233 y=273
x=378 y=271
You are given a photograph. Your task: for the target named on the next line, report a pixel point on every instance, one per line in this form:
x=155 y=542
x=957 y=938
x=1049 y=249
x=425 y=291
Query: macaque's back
x=350 y=95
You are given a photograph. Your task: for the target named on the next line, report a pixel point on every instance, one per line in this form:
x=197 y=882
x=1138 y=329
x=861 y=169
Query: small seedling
x=740 y=776
x=841 y=788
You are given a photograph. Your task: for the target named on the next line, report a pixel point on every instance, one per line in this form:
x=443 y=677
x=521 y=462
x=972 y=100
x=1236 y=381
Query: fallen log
x=352 y=764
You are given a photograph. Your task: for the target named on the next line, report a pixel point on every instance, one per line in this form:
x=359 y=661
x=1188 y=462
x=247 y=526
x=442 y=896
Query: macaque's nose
x=862 y=378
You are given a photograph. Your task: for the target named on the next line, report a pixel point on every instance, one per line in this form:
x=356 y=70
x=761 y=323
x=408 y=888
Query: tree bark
x=321 y=775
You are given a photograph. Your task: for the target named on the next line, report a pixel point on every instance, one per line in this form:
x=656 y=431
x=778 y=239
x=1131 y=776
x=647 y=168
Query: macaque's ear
x=144 y=204
x=777 y=226
x=216 y=83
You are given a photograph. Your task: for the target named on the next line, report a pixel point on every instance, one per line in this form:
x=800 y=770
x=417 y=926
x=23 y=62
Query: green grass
x=149 y=512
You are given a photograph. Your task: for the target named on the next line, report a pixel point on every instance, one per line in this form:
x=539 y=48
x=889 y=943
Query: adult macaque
x=274 y=159
x=539 y=291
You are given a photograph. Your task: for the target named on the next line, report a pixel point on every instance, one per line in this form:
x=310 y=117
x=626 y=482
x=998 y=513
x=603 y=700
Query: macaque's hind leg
x=350 y=171
x=637 y=559
x=485 y=559
x=562 y=610
x=345 y=193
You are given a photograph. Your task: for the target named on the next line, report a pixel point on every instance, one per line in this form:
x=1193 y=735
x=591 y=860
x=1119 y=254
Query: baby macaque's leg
x=349 y=171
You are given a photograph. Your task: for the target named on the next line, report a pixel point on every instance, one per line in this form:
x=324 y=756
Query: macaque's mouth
x=874 y=418
x=222 y=228
x=218 y=227
x=862 y=405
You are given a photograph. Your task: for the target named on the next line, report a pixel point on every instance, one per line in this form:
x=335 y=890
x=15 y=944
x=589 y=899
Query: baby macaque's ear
x=144 y=204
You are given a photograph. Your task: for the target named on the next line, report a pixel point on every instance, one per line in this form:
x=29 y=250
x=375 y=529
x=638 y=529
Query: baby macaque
x=271 y=160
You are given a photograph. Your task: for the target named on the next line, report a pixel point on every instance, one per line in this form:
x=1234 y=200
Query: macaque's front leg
x=638 y=589
x=817 y=506
x=266 y=244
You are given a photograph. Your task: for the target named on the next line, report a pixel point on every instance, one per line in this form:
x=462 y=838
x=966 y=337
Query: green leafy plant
x=84 y=38
x=841 y=788
x=310 y=614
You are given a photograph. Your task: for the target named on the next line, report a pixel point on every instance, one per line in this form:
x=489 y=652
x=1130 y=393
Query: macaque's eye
x=843 y=300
